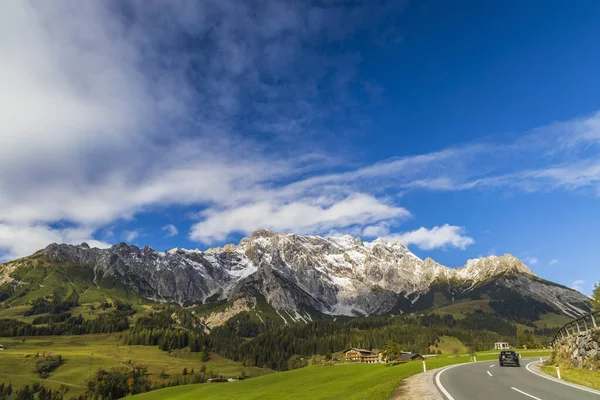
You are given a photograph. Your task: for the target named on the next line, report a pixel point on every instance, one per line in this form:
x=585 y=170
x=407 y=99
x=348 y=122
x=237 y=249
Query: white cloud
x=376 y=230
x=435 y=238
x=171 y=230
x=553 y=262
x=296 y=216
x=130 y=236
x=531 y=260
x=23 y=240
x=578 y=284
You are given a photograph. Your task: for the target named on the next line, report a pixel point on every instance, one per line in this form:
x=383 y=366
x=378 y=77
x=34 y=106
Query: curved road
x=486 y=380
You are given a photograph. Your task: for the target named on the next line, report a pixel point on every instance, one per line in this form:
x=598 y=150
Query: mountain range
x=289 y=276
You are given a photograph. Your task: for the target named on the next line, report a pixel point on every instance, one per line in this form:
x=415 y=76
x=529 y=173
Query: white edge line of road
x=550 y=378
x=439 y=385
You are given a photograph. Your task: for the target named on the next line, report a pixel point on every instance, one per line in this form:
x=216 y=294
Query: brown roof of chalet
x=357 y=349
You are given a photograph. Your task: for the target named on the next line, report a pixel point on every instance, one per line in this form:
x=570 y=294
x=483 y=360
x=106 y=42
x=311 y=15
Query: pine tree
x=596 y=297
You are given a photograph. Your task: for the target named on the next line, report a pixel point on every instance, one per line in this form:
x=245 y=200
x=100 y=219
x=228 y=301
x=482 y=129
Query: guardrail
x=579 y=325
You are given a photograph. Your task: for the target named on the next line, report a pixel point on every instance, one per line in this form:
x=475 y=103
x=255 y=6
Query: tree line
x=74 y=325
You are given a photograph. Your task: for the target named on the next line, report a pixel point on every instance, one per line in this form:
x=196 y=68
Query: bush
x=47 y=364
x=296 y=362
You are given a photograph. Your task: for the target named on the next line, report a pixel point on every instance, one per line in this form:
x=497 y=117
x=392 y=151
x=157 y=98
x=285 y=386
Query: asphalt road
x=488 y=381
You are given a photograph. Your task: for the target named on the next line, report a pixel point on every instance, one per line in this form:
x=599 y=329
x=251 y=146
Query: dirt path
x=418 y=387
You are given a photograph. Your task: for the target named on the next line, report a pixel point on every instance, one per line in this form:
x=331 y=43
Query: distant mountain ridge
x=301 y=275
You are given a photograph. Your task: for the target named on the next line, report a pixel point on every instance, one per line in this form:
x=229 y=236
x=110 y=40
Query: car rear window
x=508 y=352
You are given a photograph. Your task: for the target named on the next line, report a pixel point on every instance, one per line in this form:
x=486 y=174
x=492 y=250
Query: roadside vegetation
x=580 y=376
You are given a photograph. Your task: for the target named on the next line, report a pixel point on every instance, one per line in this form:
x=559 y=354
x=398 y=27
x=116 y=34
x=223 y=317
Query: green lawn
x=347 y=381
x=18 y=360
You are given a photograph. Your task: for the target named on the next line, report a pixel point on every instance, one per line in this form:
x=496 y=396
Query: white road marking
x=489 y=373
x=526 y=394
x=492 y=366
x=559 y=381
x=439 y=384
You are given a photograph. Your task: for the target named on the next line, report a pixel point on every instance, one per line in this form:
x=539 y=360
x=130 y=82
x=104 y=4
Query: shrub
x=48 y=363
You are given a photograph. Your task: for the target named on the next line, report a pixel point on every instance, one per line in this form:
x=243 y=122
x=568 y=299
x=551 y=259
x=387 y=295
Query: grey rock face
x=581 y=350
x=333 y=275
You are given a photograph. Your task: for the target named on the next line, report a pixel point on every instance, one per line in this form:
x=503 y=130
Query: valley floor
x=331 y=382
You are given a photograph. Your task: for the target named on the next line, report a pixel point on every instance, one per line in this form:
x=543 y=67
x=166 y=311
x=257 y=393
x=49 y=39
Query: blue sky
x=464 y=129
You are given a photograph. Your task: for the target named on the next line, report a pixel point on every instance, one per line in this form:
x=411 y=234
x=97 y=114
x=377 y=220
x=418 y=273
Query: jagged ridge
x=331 y=275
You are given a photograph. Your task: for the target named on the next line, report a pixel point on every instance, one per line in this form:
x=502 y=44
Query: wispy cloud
x=311 y=215
x=171 y=230
x=553 y=262
x=130 y=236
x=98 y=107
x=435 y=238
x=376 y=231
x=531 y=260
x=578 y=284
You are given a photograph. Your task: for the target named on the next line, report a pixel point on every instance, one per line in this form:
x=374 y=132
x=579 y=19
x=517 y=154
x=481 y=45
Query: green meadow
x=331 y=382
x=85 y=354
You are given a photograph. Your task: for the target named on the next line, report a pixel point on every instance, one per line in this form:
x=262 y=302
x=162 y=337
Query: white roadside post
x=558 y=372
x=474 y=358
x=424 y=366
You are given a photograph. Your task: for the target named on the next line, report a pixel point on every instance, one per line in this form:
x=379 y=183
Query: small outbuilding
x=501 y=346
x=411 y=357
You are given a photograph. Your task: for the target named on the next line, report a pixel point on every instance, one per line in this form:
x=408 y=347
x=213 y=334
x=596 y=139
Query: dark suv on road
x=509 y=357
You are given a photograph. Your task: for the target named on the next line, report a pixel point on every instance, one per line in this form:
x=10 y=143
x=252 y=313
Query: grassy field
x=552 y=320
x=348 y=381
x=18 y=360
x=579 y=376
x=449 y=345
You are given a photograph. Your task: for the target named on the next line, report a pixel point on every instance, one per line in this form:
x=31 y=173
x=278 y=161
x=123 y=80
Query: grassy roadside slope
x=579 y=376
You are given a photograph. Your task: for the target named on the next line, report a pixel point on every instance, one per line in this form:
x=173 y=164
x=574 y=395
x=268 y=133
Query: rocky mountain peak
x=486 y=267
x=339 y=275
